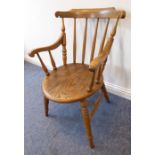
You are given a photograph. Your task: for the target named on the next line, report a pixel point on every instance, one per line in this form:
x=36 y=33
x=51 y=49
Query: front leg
x=87 y=123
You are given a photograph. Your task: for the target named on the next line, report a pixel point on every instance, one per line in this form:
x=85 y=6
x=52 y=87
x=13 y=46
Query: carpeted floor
x=63 y=133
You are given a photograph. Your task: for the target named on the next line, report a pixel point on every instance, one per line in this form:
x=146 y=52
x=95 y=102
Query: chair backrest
x=99 y=13
x=97 y=64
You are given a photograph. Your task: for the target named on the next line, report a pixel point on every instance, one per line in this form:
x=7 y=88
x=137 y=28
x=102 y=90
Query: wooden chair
x=78 y=81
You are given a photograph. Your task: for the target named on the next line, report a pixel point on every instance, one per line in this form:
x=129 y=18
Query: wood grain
x=93 y=9
x=95 y=106
x=87 y=123
x=43 y=65
x=105 y=93
x=104 y=54
x=84 y=41
x=74 y=42
x=69 y=83
x=94 y=41
x=98 y=74
x=104 y=36
x=64 y=51
x=52 y=60
x=91 y=14
x=48 y=48
x=46 y=102
x=91 y=84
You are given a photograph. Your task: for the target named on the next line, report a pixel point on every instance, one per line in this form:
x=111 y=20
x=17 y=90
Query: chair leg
x=46 y=102
x=105 y=93
x=87 y=123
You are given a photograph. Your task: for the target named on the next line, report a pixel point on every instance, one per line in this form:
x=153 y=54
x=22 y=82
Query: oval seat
x=69 y=83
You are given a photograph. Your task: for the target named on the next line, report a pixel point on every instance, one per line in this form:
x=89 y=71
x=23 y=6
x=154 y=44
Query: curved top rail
x=92 y=9
x=92 y=13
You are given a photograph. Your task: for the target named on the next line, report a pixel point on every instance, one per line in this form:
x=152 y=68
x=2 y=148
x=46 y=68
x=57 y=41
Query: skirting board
x=117 y=90
x=112 y=88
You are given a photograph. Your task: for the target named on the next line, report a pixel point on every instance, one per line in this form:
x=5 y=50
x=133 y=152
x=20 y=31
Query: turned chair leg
x=87 y=123
x=105 y=93
x=46 y=102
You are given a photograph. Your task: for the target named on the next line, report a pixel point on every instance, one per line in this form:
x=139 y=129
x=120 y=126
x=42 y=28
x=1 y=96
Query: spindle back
x=100 y=13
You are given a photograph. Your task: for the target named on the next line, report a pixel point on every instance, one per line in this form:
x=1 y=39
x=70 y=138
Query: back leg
x=105 y=93
x=46 y=102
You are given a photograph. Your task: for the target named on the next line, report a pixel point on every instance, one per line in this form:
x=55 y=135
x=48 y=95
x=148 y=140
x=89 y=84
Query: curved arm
x=97 y=61
x=47 y=48
x=103 y=56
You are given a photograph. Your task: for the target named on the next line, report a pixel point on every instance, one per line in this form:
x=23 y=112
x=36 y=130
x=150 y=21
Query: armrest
x=47 y=48
x=102 y=57
x=97 y=61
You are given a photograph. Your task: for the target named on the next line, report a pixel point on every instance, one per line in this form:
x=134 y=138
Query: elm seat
x=69 y=83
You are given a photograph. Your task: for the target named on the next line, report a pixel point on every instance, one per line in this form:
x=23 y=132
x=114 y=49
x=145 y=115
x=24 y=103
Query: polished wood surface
x=96 y=105
x=86 y=120
x=43 y=65
x=105 y=93
x=84 y=41
x=46 y=102
x=64 y=50
x=104 y=36
x=75 y=82
x=106 y=50
x=112 y=13
x=52 y=60
x=94 y=41
x=74 y=42
x=92 y=9
x=48 y=48
x=69 y=83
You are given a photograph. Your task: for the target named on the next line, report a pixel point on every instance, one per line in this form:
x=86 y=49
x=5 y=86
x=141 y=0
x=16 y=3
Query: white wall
x=42 y=28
